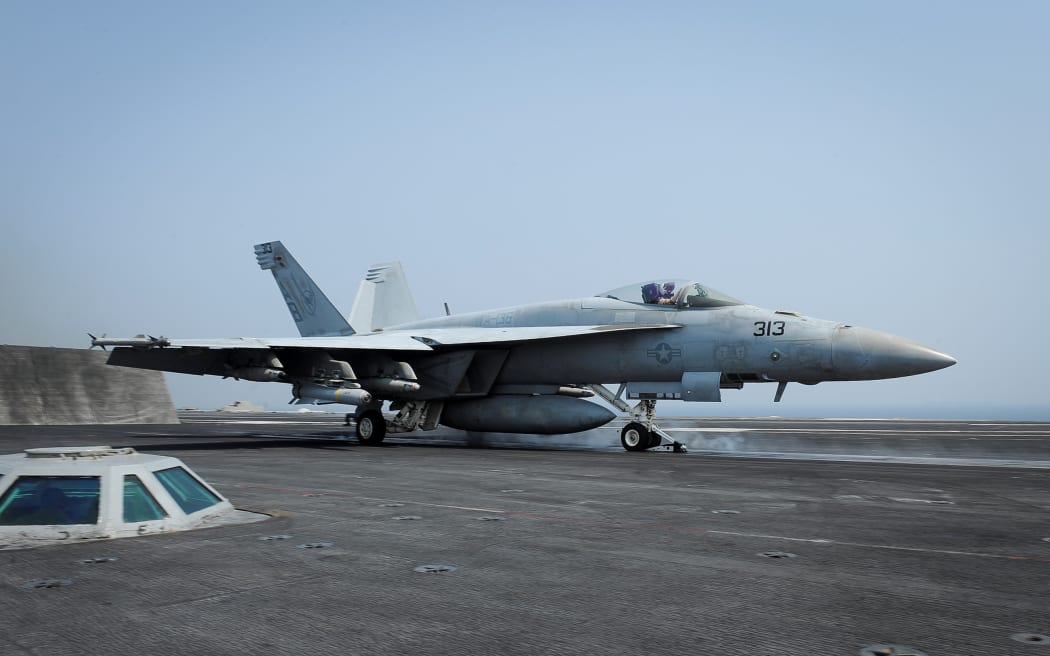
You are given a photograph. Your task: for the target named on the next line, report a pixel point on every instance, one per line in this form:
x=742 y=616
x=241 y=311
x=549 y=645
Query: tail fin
x=383 y=298
x=314 y=314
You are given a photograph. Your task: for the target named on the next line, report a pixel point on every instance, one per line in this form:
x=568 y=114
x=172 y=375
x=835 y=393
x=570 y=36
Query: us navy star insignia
x=664 y=353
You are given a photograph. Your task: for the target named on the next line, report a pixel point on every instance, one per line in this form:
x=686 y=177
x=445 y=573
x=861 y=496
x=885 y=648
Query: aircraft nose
x=865 y=354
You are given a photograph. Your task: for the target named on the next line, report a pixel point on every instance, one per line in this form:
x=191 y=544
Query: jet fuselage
x=744 y=343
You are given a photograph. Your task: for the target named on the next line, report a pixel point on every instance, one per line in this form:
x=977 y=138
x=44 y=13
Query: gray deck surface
x=577 y=549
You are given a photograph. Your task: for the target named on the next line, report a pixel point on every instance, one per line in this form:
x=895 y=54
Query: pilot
x=667 y=294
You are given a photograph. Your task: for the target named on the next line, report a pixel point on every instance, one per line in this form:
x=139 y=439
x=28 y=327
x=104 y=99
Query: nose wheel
x=636 y=437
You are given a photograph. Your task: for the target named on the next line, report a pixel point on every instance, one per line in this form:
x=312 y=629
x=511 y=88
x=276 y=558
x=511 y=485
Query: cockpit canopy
x=680 y=293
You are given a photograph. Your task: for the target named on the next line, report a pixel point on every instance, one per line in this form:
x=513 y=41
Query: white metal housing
x=75 y=493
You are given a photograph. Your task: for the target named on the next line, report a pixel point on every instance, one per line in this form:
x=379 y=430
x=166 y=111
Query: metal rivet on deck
x=435 y=569
x=39 y=584
x=777 y=554
x=891 y=650
x=1031 y=638
x=267 y=538
x=313 y=545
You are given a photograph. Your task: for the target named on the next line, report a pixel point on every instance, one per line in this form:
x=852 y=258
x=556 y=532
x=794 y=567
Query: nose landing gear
x=636 y=437
x=642 y=432
x=642 y=435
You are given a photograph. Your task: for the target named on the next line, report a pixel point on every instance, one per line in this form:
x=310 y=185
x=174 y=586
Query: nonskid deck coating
x=578 y=549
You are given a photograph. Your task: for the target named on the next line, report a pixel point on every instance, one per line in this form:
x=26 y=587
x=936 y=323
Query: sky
x=879 y=163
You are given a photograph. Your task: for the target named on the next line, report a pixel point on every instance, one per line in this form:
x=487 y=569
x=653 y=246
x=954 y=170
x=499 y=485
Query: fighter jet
x=529 y=368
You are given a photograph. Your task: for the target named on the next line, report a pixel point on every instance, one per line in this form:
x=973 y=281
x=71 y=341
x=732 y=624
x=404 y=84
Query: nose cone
x=863 y=354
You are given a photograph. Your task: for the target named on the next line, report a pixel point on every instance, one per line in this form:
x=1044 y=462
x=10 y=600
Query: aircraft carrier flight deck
x=771 y=536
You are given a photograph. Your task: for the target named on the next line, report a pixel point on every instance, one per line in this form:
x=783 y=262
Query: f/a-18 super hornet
x=529 y=368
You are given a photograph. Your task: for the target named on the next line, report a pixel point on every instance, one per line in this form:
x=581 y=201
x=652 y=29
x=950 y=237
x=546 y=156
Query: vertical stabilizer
x=314 y=314
x=383 y=298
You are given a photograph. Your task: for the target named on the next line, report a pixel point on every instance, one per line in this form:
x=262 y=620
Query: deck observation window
x=188 y=492
x=33 y=500
x=139 y=504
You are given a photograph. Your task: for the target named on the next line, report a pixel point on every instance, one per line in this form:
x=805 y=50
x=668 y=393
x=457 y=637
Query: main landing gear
x=371 y=426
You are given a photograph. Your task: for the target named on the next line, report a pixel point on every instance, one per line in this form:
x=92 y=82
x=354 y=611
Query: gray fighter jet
x=529 y=368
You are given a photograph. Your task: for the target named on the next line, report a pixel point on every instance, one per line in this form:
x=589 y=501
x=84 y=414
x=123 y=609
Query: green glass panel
x=139 y=504
x=187 y=491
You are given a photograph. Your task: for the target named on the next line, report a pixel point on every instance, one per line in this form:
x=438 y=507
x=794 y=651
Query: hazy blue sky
x=881 y=163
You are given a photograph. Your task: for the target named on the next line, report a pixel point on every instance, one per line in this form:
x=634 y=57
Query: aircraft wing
x=424 y=339
x=449 y=350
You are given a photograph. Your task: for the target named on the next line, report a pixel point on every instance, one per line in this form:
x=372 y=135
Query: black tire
x=635 y=437
x=371 y=427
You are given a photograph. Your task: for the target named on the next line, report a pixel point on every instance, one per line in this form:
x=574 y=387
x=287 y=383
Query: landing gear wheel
x=371 y=427
x=636 y=437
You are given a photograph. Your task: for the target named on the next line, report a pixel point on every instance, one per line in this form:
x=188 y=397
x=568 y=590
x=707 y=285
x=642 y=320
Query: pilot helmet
x=650 y=292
